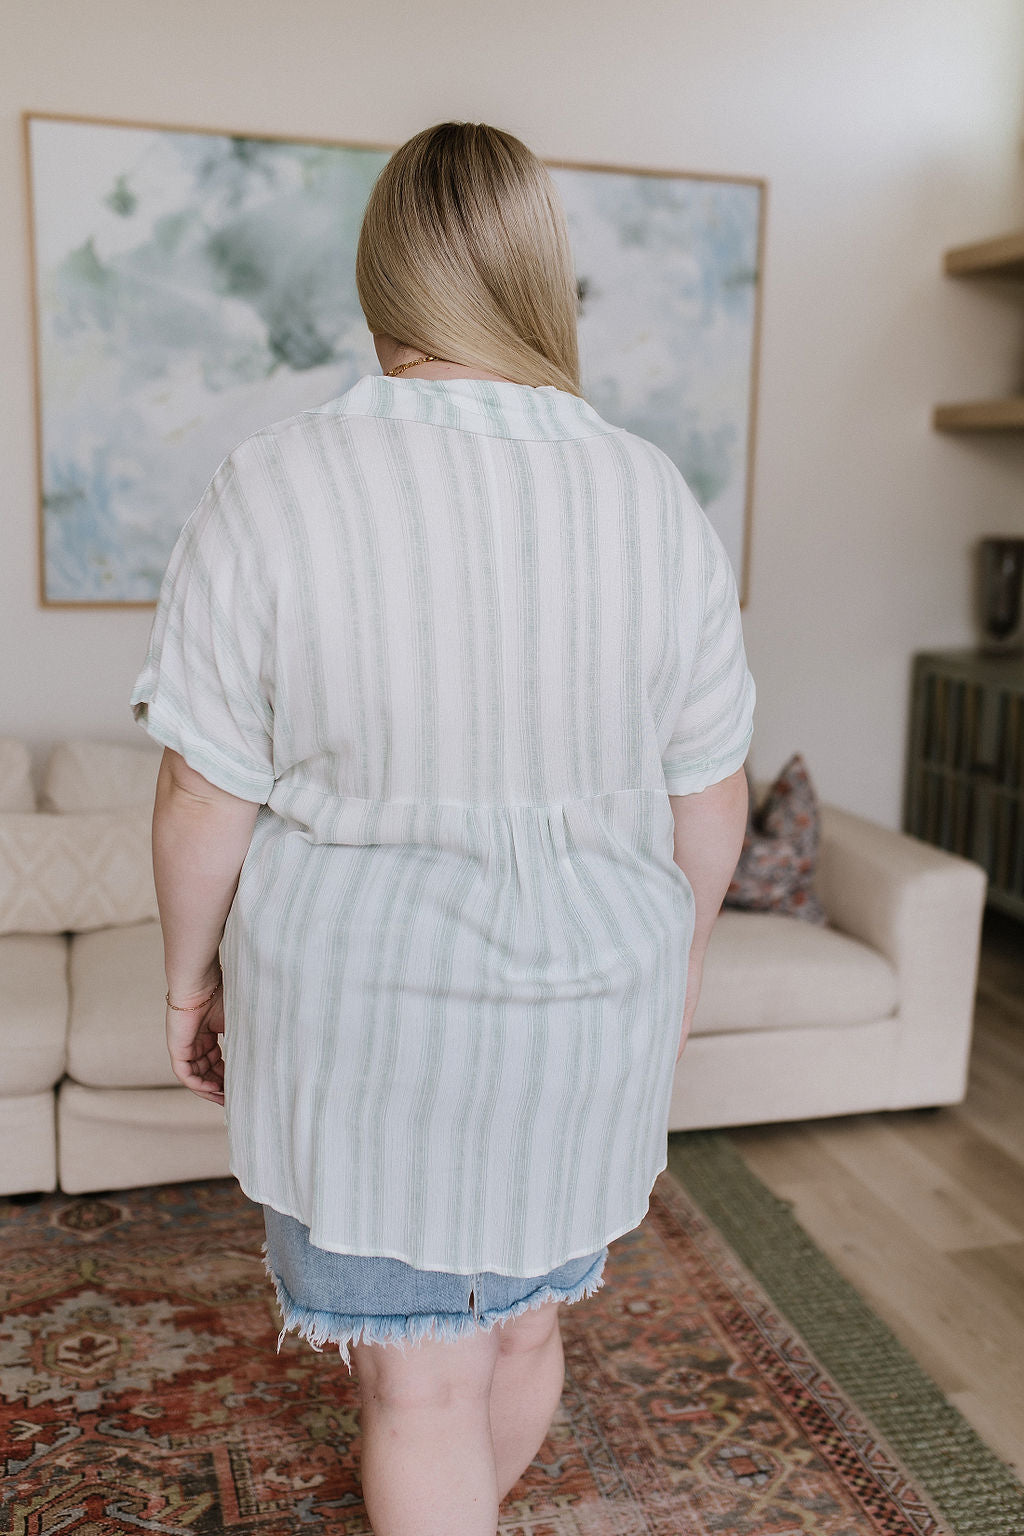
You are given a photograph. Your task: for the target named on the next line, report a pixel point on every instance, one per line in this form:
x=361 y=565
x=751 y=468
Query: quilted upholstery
x=98 y=776
x=75 y=872
x=16 y=792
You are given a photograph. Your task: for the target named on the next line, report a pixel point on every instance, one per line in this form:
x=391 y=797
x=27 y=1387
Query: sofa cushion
x=121 y=1138
x=99 y=776
x=763 y=971
x=28 y=1143
x=33 y=1011
x=116 y=1031
x=16 y=792
x=60 y=873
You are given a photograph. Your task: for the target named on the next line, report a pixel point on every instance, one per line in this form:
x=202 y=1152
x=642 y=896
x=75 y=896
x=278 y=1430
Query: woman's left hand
x=194 y=1048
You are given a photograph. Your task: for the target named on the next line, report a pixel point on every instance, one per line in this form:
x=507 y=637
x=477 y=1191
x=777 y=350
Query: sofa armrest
x=922 y=908
x=875 y=883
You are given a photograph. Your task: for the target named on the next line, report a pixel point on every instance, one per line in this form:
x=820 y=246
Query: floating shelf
x=1001 y=257
x=981 y=416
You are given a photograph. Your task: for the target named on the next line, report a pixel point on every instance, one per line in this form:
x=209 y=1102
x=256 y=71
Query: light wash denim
x=388 y=1302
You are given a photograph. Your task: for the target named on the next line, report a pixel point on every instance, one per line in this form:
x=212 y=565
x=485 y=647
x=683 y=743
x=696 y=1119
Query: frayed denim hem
x=320 y=1328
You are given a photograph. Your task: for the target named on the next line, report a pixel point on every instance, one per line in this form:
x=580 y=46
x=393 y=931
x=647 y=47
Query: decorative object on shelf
x=965 y=766
x=192 y=286
x=1000 y=606
x=776 y=867
x=1000 y=257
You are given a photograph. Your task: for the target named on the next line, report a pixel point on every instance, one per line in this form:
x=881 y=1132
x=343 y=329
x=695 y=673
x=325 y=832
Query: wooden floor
x=923 y=1211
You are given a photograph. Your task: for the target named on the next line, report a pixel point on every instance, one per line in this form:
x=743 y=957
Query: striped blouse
x=460 y=640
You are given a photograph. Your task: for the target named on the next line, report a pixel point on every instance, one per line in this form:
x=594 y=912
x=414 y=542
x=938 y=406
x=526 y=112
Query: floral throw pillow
x=776 y=868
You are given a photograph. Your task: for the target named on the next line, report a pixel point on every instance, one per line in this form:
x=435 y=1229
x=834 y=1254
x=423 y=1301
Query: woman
x=451 y=683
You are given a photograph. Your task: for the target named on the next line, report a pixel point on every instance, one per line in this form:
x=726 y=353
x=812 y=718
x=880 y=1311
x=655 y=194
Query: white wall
x=887 y=130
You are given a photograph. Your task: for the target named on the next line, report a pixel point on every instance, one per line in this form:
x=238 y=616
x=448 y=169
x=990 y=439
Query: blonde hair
x=464 y=253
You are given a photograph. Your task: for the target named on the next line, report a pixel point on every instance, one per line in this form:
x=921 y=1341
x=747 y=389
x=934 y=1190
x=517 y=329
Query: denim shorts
x=344 y=1298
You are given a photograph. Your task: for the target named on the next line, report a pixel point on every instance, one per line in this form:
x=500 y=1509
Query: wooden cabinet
x=1001 y=257
x=965 y=766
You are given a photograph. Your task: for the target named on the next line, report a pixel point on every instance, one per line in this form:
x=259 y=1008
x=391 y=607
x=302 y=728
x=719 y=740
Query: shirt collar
x=495 y=409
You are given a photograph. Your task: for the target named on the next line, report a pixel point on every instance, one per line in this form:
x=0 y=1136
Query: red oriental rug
x=141 y=1391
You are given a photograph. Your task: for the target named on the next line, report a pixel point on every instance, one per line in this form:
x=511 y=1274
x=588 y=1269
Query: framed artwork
x=191 y=286
x=669 y=271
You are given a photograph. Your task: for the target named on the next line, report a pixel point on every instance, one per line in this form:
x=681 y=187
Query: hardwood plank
x=944 y=1213
x=1002 y=955
x=964 y=1340
x=996 y=1272
x=1002 y=975
x=833 y=1214
x=995 y=1091
x=993 y=1064
x=779 y=1154
x=975 y=1162
x=904 y=1204
x=994 y=1110
x=1004 y=1016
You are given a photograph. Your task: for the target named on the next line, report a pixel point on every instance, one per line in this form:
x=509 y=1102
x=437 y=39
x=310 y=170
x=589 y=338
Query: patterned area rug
x=141 y=1391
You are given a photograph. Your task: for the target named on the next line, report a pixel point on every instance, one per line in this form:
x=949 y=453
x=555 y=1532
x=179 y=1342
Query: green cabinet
x=965 y=765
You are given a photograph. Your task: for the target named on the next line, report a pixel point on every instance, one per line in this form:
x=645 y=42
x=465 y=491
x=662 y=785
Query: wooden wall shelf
x=981 y=416
x=1002 y=257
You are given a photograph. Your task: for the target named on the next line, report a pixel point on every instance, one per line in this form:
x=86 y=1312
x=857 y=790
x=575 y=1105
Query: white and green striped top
x=461 y=640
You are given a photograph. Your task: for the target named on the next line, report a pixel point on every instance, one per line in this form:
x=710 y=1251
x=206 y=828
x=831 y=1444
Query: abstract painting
x=668 y=270
x=191 y=287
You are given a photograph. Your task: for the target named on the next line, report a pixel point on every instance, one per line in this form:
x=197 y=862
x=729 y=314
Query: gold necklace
x=393 y=373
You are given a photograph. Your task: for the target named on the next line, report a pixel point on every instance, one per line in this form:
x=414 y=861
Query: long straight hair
x=464 y=253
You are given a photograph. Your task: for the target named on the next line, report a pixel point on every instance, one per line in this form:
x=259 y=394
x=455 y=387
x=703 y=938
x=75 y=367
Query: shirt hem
x=485 y=1266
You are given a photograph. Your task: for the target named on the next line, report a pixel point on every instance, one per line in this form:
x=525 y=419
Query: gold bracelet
x=193 y=1007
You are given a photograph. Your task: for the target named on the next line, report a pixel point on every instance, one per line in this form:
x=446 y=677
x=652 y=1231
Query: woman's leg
x=529 y=1374
x=449 y=1428
x=427 y=1459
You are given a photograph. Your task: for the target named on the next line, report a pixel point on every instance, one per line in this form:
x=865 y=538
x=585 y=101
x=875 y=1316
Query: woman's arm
x=201 y=835
x=708 y=839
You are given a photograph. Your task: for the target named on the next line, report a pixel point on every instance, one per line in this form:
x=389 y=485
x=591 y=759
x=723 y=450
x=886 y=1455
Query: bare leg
x=528 y=1378
x=428 y=1460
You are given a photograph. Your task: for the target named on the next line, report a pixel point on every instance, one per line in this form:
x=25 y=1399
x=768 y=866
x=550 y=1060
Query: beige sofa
x=873 y=1012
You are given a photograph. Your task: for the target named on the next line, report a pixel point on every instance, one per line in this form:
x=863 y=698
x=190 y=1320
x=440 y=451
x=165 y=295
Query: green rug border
x=974 y=1490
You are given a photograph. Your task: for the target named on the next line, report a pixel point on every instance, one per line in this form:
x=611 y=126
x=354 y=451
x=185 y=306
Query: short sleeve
x=711 y=736
x=204 y=689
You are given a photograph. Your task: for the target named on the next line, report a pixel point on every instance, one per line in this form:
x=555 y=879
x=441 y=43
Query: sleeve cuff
x=697 y=776
x=223 y=771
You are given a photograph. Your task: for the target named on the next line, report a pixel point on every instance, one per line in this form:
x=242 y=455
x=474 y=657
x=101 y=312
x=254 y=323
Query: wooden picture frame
x=192 y=285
